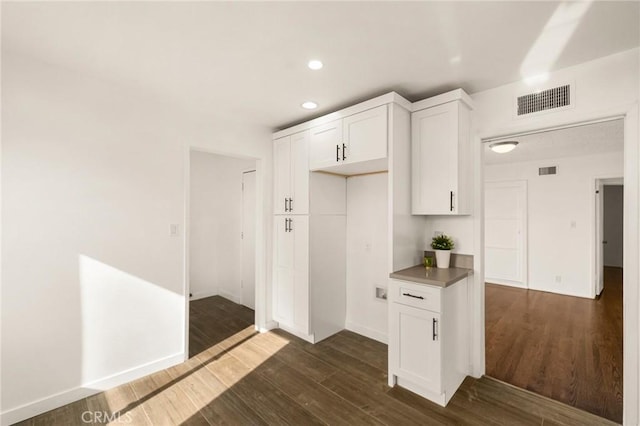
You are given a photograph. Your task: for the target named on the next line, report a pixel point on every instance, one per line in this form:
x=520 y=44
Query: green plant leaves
x=442 y=242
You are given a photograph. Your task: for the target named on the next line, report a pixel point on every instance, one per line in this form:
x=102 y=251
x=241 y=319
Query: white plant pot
x=442 y=258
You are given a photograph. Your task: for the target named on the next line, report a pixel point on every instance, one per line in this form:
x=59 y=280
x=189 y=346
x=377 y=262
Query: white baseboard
x=43 y=405
x=202 y=294
x=367 y=332
x=230 y=296
x=517 y=284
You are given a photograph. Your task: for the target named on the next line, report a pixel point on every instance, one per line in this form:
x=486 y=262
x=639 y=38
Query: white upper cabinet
x=352 y=145
x=325 y=147
x=365 y=135
x=441 y=160
x=291 y=174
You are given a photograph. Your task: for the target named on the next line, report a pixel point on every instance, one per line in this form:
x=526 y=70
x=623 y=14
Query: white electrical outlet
x=174 y=230
x=558 y=279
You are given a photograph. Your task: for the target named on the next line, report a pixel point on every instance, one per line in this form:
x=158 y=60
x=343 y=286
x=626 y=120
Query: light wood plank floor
x=565 y=348
x=242 y=378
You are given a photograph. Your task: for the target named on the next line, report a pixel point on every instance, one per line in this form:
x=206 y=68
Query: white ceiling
x=588 y=139
x=247 y=60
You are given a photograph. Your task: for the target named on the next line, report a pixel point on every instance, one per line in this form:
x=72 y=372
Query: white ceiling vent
x=544 y=100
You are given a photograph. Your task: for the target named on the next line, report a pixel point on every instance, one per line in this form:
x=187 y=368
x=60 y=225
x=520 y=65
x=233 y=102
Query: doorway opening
x=609 y=193
x=545 y=330
x=221 y=248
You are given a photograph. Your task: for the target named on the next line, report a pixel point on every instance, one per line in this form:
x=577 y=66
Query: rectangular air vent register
x=547 y=100
x=551 y=170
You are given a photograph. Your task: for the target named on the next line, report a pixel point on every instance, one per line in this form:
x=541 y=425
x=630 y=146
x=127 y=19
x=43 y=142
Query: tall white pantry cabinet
x=309 y=243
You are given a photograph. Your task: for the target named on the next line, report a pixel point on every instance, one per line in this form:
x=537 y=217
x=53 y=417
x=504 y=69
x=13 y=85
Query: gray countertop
x=432 y=276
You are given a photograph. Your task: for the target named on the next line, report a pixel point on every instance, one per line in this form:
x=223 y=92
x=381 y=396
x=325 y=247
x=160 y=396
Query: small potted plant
x=442 y=245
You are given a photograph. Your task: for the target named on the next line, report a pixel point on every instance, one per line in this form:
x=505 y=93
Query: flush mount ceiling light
x=315 y=64
x=309 y=105
x=503 y=147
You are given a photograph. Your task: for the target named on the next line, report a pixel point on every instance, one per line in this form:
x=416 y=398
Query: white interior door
x=249 y=239
x=506 y=233
x=599 y=237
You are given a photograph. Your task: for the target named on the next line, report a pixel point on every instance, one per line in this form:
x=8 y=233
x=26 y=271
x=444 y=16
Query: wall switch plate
x=174 y=229
x=381 y=293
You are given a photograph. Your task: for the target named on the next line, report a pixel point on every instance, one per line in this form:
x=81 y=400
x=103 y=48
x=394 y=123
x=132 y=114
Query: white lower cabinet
x=428 y=343
x=291 y=272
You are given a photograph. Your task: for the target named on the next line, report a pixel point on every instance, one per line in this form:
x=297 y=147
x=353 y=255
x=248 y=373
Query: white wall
x=605 y=87
x=93 y=174
x=367 y=250
x=215 y=253
x=613 y=227
x=560 y=216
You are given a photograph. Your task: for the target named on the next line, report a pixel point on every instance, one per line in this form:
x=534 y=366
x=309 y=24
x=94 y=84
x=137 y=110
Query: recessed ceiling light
x=309 y=105
x=503 y=147
x=315 y=64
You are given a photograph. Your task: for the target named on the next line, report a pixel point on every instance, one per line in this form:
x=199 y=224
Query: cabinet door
x=291 y=272
x=299 y=227
x=434 y=142
x=281 y=174
x=325 y=145
x=299 y=203
x=415 y=346
x=365 y=135
x=284 y=271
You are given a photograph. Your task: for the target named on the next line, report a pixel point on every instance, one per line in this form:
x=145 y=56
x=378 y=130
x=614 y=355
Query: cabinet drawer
x=423 y=298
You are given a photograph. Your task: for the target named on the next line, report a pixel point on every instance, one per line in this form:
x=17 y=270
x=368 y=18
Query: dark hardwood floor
x=566 y=348
x=240 y=377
